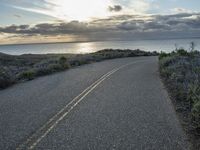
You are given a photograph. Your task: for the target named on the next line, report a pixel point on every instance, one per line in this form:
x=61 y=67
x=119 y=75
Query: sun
x=79 y=9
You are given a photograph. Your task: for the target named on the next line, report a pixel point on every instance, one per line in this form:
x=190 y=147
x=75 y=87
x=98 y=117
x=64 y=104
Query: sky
x=44 y=21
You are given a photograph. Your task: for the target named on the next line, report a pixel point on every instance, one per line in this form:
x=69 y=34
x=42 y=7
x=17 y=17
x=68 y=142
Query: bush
x=163 y=55
x=63 y=60
x=30 y=74
x=64 y=63
x=5 y=79
x=182 y=52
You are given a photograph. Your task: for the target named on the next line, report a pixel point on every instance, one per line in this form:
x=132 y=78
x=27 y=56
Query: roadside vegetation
x=14 y=69
x=180 y=71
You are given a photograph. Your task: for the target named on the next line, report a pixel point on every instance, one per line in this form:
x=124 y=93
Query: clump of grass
x=62 y=60
x=29 y=75
x=63 y=63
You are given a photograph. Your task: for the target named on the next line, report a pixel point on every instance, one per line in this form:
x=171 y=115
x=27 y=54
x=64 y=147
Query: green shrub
x=30 y=74
x=182 y=52
x=62 y=60
x=64 y=63
x=162 y=55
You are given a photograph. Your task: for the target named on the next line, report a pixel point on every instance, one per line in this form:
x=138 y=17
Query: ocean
x=166 y=45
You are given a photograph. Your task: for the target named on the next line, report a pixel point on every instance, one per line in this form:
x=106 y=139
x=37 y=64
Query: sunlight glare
x=79 y=9
x=86 y=47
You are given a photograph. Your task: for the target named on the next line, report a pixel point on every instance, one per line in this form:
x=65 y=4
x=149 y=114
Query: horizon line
x=14 y=44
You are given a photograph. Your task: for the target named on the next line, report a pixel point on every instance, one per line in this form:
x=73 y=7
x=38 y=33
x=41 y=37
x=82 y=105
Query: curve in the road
x=35 y=138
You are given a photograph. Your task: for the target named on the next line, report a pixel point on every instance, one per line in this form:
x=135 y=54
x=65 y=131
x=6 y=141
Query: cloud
x=73 y=27
x=114 y=27
x=67 y=10
x=130 y=25
x=140 y=6
x=181 y=10
x=17 y=16
x=115 y=8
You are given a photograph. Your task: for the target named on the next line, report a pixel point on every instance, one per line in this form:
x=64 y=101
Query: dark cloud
x=174 y=16
x=115 y=8
x=129 y=25
x=14 y=29
x=175 y=22
x=120 y=26
x=17 y=16
x=155 y=26
x=23 y=27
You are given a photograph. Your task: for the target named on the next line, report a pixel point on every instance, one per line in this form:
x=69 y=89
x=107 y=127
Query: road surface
x=114 y=104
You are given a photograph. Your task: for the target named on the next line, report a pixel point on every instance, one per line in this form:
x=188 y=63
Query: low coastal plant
x=181 y=73
x=62 y=60
x=28 y=67
x=27 y=75
x=5 y=79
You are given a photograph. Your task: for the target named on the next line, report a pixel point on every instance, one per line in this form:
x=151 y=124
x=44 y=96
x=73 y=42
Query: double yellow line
x=35 y=138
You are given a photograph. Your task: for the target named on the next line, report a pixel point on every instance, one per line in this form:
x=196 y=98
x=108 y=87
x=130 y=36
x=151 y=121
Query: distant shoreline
x=99 y=41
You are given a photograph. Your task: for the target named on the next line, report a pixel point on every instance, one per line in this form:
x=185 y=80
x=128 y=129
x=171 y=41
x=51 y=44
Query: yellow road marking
x=33 y=140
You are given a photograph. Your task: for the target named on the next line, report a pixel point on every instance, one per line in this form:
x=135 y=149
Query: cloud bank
x=119 y=27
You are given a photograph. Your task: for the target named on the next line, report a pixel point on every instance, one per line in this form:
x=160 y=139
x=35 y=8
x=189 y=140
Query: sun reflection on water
x=85 y=48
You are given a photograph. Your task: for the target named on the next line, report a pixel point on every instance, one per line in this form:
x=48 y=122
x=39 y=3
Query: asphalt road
x=114 y=104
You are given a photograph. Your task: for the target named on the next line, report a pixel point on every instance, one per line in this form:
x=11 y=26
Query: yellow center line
x=33 y=140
